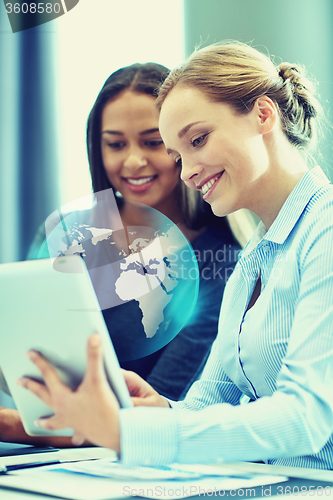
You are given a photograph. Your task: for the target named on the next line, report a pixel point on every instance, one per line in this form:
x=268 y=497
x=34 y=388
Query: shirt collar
x=291 y=210
x=294 y=206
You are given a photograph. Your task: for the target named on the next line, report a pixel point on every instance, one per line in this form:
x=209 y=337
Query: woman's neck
x=286 y=168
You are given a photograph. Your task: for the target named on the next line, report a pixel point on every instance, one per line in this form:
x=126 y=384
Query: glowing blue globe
x=145 y=276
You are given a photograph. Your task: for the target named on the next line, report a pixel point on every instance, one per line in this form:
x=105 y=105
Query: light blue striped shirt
x=280 y=354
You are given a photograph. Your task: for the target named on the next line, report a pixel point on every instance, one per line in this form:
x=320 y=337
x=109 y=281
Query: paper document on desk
x=61 y=455
x=105 y=480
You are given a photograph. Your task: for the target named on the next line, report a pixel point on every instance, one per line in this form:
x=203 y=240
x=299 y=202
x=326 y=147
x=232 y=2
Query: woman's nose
x=190 y=173
x=135 y=159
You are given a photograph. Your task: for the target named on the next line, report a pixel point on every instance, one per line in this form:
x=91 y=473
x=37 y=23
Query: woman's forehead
x=179 y=100
x=182 y=106
x=129 y=107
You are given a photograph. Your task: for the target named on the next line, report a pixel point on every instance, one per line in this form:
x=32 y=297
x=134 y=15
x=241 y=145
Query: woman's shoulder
x=318 y=213
x=321 y=201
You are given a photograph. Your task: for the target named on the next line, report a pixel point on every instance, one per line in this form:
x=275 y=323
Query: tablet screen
x=52 y=309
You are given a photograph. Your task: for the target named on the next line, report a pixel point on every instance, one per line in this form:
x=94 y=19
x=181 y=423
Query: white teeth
x=139 y=182
x=209 y=184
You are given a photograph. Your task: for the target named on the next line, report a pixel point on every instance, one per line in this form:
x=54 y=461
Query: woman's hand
x=92 y=410
x=142 y=394
x=12 y=431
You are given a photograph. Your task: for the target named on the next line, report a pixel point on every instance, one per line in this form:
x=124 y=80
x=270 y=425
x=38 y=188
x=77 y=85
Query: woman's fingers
x=49 y=374
x=36 y=388
x=137 y=387
x=154 y=400
x=52 y=423
x=78 y=439
x=95 y=367
x=52 y=391
x=133 y=381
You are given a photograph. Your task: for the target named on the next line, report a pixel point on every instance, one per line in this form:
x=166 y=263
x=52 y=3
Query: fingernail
x=31 y=355
x=39 y=423
x=20 y=382
x=94 y=340
x=77 y=441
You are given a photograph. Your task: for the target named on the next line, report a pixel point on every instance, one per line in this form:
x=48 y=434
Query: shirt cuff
x=148 y=436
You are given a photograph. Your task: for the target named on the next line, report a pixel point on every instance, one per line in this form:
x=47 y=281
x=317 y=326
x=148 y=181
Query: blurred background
x=50 y=76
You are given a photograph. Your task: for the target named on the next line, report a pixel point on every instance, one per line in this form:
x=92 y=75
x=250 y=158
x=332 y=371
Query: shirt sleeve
x=150 y=436
x=296 y=420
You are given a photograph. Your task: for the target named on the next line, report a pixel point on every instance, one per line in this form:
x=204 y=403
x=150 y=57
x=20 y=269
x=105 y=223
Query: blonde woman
x=242 y=130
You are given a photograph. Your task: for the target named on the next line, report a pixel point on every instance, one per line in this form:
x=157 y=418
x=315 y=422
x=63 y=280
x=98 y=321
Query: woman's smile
x=208 y=186
x=140 y=184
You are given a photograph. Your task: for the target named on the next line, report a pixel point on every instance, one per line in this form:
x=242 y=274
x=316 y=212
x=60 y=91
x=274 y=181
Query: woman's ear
x=267 y=114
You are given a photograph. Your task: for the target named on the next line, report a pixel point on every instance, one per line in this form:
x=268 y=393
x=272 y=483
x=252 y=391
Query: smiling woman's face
x=221 y=153
x=133 y=153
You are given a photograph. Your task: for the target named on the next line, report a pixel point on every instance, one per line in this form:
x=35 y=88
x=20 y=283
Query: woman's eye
x=199 y=141
x=116 y=145
x=179 y=162
x=154 y=144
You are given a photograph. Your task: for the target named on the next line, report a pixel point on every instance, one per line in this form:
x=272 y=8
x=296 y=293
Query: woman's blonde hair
x=238 y=74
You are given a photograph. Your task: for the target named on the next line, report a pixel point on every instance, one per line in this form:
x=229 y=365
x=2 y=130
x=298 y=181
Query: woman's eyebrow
x=150 y=131
x=114 y=132
x=145 y=132
x=184 y=130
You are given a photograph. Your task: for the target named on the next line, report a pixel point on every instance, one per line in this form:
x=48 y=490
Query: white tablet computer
x=50 y=305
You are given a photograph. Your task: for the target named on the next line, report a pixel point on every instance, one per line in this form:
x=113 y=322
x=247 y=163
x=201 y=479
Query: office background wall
x=49 y=79
x=291 y=30
x=29 y=156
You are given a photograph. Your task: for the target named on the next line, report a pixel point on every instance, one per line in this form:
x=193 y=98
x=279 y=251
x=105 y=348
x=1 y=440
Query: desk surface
x=306 y=483
x=289 y=489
